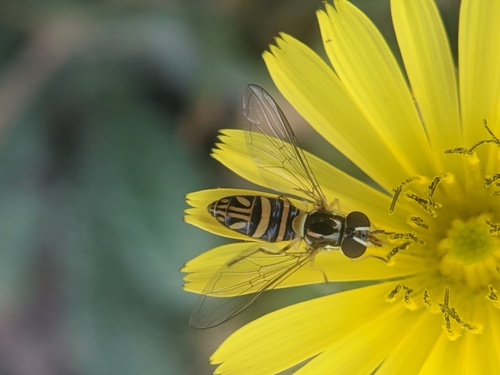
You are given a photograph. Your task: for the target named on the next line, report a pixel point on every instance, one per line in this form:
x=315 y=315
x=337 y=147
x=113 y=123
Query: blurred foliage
x=108 y=110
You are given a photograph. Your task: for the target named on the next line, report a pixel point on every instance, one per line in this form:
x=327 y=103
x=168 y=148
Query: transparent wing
x=274 y=148
x=241 y=281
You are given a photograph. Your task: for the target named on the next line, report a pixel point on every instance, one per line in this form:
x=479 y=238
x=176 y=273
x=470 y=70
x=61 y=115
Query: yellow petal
x=490 y=341
x=479 y=75
x=330 y=264
x=478 y=353
x=352 y=194
x=370 y=339
x=408 y=355
x=431 y=71
x=442 y=359
x=370 y=73
x=205 y=265
x=309 y=328
x=478 y=356
x=319 y=96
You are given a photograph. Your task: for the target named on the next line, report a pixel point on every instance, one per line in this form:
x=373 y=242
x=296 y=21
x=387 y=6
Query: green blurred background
x=108 y=112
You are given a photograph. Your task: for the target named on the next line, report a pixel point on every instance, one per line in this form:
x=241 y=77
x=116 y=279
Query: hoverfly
x=275 y=219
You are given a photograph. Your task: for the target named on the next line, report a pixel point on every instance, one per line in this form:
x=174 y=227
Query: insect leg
x=313 y=259
x=367 y=256
x=263 y=250
x=284 y=198
x=334 y=203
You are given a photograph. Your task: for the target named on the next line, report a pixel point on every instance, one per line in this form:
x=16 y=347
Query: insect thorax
x=323 y=228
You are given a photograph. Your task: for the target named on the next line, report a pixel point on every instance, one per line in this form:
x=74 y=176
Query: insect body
x=275 y=151
x=260 y=217
x=277 y=219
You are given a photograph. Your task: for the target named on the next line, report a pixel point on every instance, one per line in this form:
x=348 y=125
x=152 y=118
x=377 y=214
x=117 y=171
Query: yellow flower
x=431 y=145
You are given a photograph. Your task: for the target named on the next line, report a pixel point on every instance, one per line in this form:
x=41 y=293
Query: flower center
x=468 y=254
x=468 y=242
x=456 y=227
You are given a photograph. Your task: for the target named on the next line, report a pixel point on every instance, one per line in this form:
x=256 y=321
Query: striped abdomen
x=256 y=216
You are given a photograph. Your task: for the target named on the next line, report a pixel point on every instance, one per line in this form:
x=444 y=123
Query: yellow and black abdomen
x=256 y=216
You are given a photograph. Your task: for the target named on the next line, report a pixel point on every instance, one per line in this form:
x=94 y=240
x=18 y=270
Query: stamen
x=407 y=236
x=406 y=298
x=447 y=327
x=493 y=296
x=495 y=228
x=391 y=297
x=427 y=204
x=489 y=180
x=398 y=190
x=412 y=237
x=485 y=123
x=470 y=151
x=416 y=221
x=397 y=249
x=433 y=185
x=450 y=313
x=459 y=150
x=410 y=304
x=426 y=300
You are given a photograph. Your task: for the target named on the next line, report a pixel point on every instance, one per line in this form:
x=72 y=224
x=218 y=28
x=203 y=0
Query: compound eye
x=357 y=219
x=352 y=248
